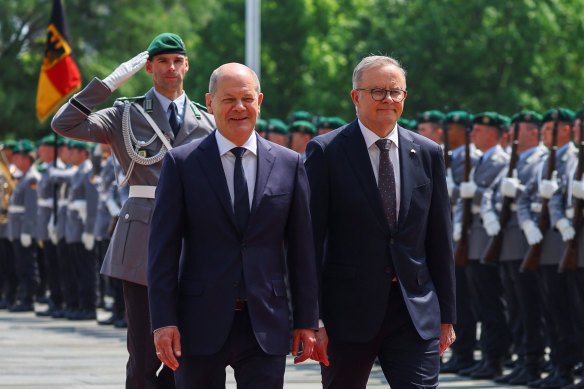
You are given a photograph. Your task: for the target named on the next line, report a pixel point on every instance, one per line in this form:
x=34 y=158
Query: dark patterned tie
x=387 y=183
x=241 y=200
x=173 y=119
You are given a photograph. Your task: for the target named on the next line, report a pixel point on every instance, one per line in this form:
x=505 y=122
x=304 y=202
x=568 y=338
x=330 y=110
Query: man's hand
x=319 y=353
x=532 y=232
x=167 y=343
x=548 y=187
x=308 y=339
x=447 y=337
x=491 y=223
x=125 y=71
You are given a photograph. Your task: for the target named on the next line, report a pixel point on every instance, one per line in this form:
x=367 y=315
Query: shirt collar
x=225 y=145
x=165 y=101
x=371 y=137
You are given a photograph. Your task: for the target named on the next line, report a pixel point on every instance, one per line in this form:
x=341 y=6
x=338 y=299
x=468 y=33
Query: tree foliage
x=478 y=55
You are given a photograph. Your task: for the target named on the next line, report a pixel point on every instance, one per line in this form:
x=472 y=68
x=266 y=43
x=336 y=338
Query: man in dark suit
x=381 y=221
x=226 y=207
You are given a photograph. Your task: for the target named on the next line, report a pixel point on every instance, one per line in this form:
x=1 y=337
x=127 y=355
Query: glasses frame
x=405 y=92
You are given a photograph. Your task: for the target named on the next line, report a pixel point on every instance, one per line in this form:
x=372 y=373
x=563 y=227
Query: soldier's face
x=168 y=71
x=576 y=130
x=299 y=141
x=235 y=104
x=280 y=139
x=484 y=137
x=379 y=116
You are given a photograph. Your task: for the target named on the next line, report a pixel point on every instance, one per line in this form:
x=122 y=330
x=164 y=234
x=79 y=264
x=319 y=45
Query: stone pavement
x=44 y=353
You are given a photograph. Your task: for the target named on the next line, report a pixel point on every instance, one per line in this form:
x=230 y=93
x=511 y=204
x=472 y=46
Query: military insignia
x=148 y=105
x=195 y=110
x=456 y=118
x=528 y=116
x=143 y=153
x=427 y=116
x=486 y=120
x=33 y=185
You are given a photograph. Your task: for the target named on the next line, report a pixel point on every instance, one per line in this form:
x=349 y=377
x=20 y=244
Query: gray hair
x=213 y=81
x=374 y=61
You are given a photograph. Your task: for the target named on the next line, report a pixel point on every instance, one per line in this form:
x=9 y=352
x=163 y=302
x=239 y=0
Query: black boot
x=579 y=385
x=563 y=376
x=508 y=377
x=493 y=368
x=531 y=371
x=457 y=362
x=468 y=371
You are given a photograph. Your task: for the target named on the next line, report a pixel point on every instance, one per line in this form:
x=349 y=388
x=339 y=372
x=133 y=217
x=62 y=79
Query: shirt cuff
x=320 y=324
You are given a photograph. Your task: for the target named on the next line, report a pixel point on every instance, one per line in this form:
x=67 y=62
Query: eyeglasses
x=378 y=94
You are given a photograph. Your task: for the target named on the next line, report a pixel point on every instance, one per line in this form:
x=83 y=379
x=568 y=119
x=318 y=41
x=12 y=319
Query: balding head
x=231 y=69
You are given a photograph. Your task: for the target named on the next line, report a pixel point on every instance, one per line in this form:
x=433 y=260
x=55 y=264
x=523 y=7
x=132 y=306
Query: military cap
x=564 y=115
x=77 y=144
x=277 y=126
x=260 y=125
x=332 y=122
x=25 y=146
x=432 y=116
x=9 y=144
x=492 y=119
x=403 y=122
x=458 y=117
x=299 y=115
x=48 y=140
x=166 y=43
x=527 y=116
x=302 y=126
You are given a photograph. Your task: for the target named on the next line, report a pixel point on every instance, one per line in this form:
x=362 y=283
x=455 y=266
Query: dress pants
x=253 y=368
x=407 y=360
x=85 y=275
x=68 y=284
x=466 y=323
x=7 y=272
x=53 y=273
x=26 y=271
x=142 y=362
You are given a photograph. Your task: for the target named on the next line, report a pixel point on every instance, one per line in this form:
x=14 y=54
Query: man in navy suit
x=227 y=209
x=381 y=222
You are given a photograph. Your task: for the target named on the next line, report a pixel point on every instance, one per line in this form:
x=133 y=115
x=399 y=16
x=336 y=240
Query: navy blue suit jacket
x=196 y=288
x=357 y=256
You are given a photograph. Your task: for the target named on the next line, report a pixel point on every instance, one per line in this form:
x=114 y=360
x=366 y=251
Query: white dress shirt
x=249 y=160
x=180 y=106
x=370 y=139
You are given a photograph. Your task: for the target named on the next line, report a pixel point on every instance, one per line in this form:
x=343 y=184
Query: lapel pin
x=413 y=152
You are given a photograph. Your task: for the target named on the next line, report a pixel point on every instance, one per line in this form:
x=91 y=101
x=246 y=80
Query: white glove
x=81 y=207
x=125 y=71
x=566 y=229
x=112 y=207
x=52 y=229
x=509 y=185
x=88 y=240
x=491 y=223
x=450 y=182
x=467 y=189
x=578 y=189
x=548 y=187
x=457 y=232
x=25 y=240
x=532 y=232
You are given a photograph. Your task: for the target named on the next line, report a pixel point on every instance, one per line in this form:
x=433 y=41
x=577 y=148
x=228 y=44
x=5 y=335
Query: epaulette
x=203 y=107
x=135 y=98
x=147 y=104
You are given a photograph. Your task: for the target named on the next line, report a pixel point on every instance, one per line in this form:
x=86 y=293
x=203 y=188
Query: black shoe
x=468 y=371
x=47 y=312
x=58 y=314
x=42 y=299
x=6 y=304
x=108 y=322
x=508 y=377
x=22 y=307
x=122 y=323
x=562 y=376
x=548 y=367
x=84 y=314
x=527 y=375
x=456 y=363
x=579 y=385
x=492 y=368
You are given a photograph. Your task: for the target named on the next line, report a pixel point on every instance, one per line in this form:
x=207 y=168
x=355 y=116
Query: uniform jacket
x=196 y=287
x=357 y=256
x=82 y=193
x=24 y=195
x=514 y=245
x=127 y=254
x=105 y=182
x=457 y=168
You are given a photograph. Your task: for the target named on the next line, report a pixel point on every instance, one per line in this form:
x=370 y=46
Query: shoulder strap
x=153 y=125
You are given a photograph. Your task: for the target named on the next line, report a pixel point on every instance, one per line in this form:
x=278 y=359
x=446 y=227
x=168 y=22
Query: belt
x=62 y=203
x=45 y=203
x=142 y=191
x=16 y=209
x=240 y=305
x=77 y=205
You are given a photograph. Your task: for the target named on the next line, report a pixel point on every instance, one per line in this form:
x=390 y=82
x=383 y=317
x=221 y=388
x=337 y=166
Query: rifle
x=447 y=151
x=461 y=254
x=494 y=250
x=531 y=260
x=569 y=260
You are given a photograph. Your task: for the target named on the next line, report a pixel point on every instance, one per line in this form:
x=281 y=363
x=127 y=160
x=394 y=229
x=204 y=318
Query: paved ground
x=47 y=353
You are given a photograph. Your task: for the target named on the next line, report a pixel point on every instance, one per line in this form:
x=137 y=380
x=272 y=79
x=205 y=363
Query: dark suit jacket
x=355 y=248
x=198 y=291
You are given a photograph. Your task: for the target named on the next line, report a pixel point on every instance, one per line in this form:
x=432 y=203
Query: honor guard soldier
x=299 y=115
x=465 y=328
x=277 y=132
x=325 y=124
x=301 y=132
x=22 y=225
x=521 y=289
x=483 y=280
x=140 y=131
x=557 y=125
x=430 y=125
x=8 y=280
x=261 y=127
x=45 y=202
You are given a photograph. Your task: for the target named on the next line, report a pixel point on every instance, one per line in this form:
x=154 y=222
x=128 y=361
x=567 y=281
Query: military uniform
x=129 y=127
x=8 y=280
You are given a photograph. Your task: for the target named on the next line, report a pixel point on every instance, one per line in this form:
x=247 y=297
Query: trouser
x=102 y=287
x=7 y=272
x=85 y=276
x=466 y=323
x=51 y=260
x=142 y=362
x=507 y=273
x=66 y=256
x=41 y=291
x=26 y=270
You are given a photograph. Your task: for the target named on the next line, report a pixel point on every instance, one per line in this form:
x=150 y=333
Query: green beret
x=77 y=144
x=458 y=117
x=302 y=126
x=48 y=140
x=332 y=122
x=24 y=146
x=166 y=43
x=432 y=116
x=260 y=125
x=564 y=115
x=9 y=144
x=580 y=114
x=277 y=126
x=492 y=119
x=527 y=117
x=299 y=115
x=403 y=122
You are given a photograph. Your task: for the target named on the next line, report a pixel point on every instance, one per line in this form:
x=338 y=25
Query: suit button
x=388 y=270
x=127 y=216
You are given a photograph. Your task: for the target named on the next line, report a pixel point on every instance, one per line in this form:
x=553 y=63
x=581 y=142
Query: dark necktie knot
x=238 y=151
x=383 y=144
x=173 y=119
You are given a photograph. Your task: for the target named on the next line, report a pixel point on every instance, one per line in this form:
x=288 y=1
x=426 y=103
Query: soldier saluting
x=140 y=130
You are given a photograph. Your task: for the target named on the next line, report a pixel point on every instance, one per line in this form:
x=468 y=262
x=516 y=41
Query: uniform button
x=127 y=216
x=388 y=270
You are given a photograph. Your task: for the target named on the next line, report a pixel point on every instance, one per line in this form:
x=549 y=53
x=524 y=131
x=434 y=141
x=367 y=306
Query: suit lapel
x=213 y=168
x=265 y=159
x=410 y=172
x=356 y=151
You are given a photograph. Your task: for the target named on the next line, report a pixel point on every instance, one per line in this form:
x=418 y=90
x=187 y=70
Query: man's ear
x=355 y=97
x=208 y=101
x=148 y=66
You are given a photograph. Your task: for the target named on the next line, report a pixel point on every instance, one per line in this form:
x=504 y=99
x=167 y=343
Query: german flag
x=60 y=77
